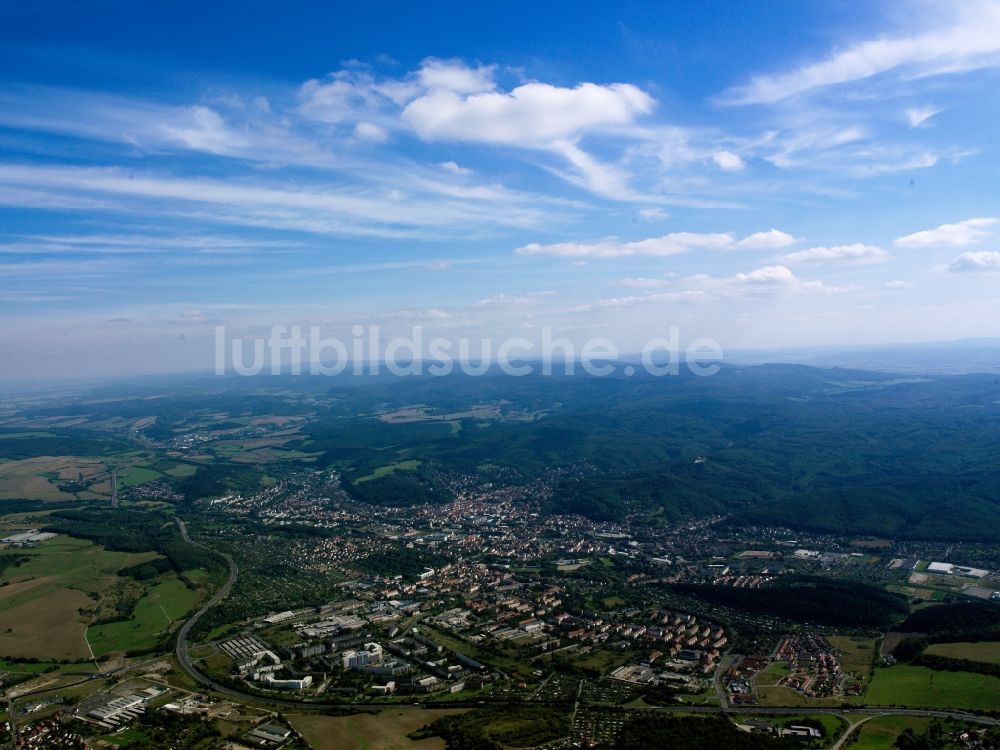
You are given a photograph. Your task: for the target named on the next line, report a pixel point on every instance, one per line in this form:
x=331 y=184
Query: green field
x=880 y=733
x=857 y=655
x=382 y=471
x=987 y=651
x=42 y=599
x=162 y=605
x=137 y=475
x=905 y=685
x=182 y=470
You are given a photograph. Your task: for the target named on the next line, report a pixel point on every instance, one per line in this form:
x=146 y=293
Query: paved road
x=183 y=658
x=851 y=726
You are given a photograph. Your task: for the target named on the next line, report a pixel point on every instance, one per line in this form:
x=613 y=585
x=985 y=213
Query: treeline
x=133 y=531
x=949 y=623
x=809 y=599
x=689 y=733
x=961 y=621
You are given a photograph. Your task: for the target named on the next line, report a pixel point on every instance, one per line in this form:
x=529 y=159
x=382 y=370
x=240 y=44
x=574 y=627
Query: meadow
x=880 y=733
x=905 y=685
x=988 y=651
x=163 y=604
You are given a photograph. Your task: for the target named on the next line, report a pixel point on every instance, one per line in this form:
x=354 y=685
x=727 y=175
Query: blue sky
x=772 y=174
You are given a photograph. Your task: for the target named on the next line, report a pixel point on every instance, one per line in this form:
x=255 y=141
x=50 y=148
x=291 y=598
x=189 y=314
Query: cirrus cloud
x=674 y=243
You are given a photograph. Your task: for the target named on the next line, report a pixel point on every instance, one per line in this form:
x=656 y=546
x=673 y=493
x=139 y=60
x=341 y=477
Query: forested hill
x=829 y=450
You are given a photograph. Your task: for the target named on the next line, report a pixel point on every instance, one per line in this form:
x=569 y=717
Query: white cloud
x=642 y=283
x=854 y=254
x=727 y=161
x=497 y=300
x=669 y=244
x=530 y=114
x=767 y=275
x=917 y=116
x=328 y=209
x=772 y=239
x=897 y=285
x=972 y=41
x=977 y=262
x=204 y=130
x=653 y=214
x=602 y=179
x=674 y=243
x=454 y=75
x=768 y=281
x=369 y=131
x=455 y=168
x=966 y=232
x=642 y=299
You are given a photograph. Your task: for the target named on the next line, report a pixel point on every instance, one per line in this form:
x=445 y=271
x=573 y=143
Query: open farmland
x=39 y=478
x=40 y=607
x=386 y=730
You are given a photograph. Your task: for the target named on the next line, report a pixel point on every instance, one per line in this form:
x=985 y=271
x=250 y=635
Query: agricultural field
x=41 y=603
x=987 y=652
x=386 y=730
x=39 y=478
x=905 y=685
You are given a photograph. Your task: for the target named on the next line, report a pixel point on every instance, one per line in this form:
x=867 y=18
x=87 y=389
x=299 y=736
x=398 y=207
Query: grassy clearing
x=182 y=470
x=386 y=730
x=382 y=471
x=780 y=696
x=987 y=651
x=162 y=605
x=881 y=732
x=905 y=685
x=773 y=674
x=857 y=655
